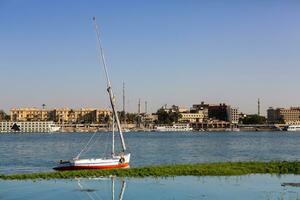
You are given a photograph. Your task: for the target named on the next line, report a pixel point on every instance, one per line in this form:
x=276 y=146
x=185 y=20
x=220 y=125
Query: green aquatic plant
x=203 y=169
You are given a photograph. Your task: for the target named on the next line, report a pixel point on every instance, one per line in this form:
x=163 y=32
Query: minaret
x=139 y=107
x=145 y=107
x=258 y=107
x=139 y=114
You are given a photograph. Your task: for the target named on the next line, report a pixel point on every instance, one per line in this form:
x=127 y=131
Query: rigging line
x=122 y=190
x=109 y=89
x=107 y=134
x=102 y=53
x=91 y=145
x=82 y=150
x=106 y=144
x=99 y=138
x=81 y=187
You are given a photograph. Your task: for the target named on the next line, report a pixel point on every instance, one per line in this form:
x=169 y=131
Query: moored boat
x=120 y=160
x=174 y=127
x=293 y=128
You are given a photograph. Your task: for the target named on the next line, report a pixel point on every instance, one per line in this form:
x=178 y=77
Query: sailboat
x=120 y=160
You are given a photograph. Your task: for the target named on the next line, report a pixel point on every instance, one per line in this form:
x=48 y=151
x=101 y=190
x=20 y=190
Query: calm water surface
x=181 y=188
x=40 y=152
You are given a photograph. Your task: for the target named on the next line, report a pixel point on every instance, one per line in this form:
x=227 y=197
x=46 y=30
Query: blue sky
x=167 y=52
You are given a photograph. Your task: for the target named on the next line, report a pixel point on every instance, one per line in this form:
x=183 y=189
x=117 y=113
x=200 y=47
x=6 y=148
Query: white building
x=233 y=115
x=25 y=127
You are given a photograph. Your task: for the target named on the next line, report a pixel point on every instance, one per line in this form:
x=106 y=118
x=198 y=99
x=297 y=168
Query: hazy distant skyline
x=167 y=52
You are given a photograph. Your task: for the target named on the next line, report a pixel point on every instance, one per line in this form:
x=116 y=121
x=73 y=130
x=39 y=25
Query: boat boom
x=109 y=89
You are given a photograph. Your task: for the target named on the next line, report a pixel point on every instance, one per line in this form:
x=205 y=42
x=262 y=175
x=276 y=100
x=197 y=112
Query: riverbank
x=207 y=169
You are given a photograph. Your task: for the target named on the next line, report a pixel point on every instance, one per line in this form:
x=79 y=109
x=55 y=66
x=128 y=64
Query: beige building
x=2 y=115
x=61 y=115
x=30 y=114
x=288 y=115
x=150 y=118
x=192 y=117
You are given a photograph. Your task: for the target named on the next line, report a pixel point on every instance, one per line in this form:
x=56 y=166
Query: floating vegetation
x=203 y=169
x=291 y=184
x=87 y=190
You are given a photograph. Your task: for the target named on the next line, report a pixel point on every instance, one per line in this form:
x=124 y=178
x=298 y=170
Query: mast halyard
x=113 y=137
x=122 y=190
x=109 y=89
x=113 y=188
x=124 y=103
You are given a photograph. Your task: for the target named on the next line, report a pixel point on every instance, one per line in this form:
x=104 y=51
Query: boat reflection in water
x=92 y=193
x=260 y=186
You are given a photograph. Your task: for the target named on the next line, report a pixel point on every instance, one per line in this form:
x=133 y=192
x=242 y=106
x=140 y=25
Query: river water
x=23 y=153
x=178 y=188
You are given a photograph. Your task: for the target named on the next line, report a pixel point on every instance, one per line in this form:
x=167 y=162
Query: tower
x=146 y=107
x=258 y=107
x=139 y=114
x=139 y=107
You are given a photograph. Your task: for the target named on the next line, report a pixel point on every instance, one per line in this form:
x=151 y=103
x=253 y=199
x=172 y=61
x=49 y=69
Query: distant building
x=201 y=107
x=183 y=110
x=149 y=120
x=30 y=114
x=192 y=117
x=2 y=115
x=61 y=115
x=174 y=108
x=219 y=112
x=222 y=112
x=287 y=115
x=233 y=115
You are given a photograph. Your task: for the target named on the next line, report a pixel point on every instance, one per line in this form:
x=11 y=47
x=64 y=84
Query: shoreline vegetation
x=201 y=169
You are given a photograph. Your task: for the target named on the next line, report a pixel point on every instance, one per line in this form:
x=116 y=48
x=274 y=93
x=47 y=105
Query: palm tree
x=43 y=105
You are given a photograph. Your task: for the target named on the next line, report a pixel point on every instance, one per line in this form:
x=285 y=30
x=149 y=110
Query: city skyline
x=166 y=53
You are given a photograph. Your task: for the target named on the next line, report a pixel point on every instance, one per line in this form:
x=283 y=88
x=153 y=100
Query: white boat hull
x=293 y=128
x=97 y=163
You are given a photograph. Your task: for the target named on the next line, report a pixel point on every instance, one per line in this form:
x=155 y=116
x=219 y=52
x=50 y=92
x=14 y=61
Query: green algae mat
x=203 y=169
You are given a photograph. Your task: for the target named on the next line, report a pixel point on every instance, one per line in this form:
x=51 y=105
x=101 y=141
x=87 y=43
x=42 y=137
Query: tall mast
x=113 y=188
x=109 y=89
x=113 y=136
x=122 y=190
x=124 y=103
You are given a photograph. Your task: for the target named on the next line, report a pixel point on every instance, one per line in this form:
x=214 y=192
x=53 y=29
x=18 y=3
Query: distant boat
x=120 y=160
x=174 y=127
x=54 y=128
x=28 y=127
x=126 y=130
x=293 y=128
x=233 y=129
